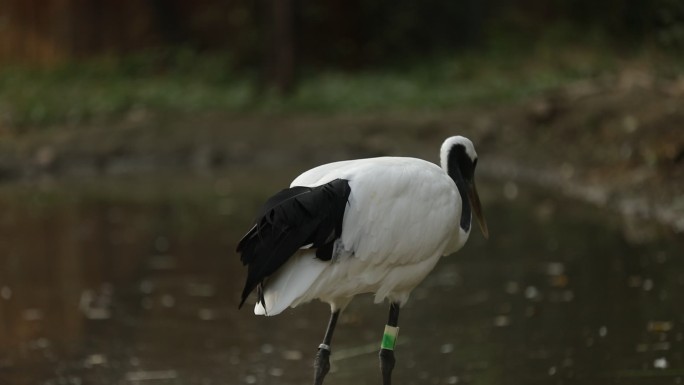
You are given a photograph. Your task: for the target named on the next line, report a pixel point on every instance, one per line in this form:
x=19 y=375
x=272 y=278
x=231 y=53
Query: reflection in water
x=104 y=288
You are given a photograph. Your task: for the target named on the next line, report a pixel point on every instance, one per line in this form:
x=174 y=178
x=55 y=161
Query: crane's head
x=459 y=159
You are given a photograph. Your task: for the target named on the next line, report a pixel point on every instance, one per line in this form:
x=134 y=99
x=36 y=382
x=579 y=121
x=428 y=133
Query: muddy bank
x=617 y=144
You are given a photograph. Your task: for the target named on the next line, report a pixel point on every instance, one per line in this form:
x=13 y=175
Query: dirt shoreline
x=618 y=146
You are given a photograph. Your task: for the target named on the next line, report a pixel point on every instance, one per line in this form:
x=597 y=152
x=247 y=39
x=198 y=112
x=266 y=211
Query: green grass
x=108 y=89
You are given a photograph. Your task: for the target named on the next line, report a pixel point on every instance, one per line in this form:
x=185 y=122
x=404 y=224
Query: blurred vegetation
x=349 y=56
x=183 y=81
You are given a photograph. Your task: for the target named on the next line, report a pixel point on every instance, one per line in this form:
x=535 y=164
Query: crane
x=376 y=225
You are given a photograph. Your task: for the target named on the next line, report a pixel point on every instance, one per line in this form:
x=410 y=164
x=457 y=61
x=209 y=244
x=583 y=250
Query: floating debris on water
x=568 y=295
x=555 y=268
x=452 y=380
x=510 y=191
x=603 y=331
x=502 y=320
x=531 y=292
x=206 y=314
x=267 y=348
x=659 y=326
x=151 y=375
x=33 y=314
x=512 y=287
x=654 y=347
x=167 y=300
x=446 y=348
x=275 y=372
x=661 y=346
x=552 y=371
x=660 y=363
x=95 y=305
x=6 y=293
x=146 y=286
x=94 y=359
x=292 y=355
x=648 y=285
x=39 y=344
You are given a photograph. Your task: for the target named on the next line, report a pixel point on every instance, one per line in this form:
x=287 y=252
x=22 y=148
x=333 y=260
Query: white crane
x=375 y=225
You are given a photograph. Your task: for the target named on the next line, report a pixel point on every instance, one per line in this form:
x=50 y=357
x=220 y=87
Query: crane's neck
x=462 y=186
x=452 y=157
x=461 y=237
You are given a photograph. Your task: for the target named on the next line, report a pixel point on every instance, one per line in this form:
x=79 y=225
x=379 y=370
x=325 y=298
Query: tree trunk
x=281 y=49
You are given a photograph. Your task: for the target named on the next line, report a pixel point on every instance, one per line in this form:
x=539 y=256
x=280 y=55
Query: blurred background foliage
x=69 y=61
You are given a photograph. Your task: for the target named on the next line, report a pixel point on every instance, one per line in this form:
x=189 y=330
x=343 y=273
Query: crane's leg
x=389 y=339
x=322 y=361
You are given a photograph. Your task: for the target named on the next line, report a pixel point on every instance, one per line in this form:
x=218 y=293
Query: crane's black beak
x=477 y=208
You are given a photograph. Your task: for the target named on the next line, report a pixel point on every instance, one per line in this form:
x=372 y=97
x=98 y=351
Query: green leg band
x=389 y=338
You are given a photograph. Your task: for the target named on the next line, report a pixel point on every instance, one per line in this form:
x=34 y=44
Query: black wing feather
x=290 y=219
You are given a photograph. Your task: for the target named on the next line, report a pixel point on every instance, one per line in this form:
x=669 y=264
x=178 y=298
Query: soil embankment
x=617 y=144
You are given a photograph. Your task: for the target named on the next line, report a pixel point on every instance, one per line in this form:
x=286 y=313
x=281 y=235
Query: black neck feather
x=457 y=160
x=462 y=186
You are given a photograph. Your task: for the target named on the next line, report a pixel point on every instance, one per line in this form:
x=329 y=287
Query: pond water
x=132 y=281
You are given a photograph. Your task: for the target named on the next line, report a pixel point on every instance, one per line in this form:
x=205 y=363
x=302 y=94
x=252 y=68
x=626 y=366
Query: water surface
x=135 y=281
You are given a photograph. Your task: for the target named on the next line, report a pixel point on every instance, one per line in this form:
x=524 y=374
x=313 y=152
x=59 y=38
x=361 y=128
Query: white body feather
x=403 y=215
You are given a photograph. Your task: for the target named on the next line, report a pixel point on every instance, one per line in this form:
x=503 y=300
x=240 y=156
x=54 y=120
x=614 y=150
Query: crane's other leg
x=389 y=339
x=322 y=361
